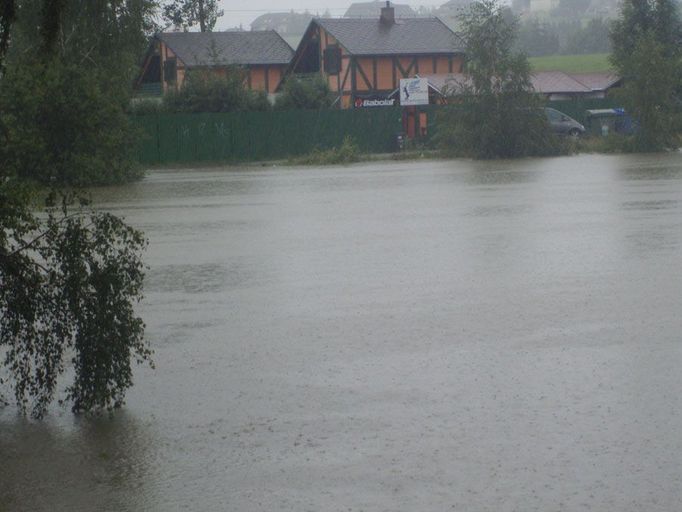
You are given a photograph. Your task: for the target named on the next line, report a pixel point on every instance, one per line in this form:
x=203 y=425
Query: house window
x=153 y=72
x=170 y=70
x=332 y=60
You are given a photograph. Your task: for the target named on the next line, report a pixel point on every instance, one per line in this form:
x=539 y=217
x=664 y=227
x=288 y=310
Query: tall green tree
x=7 y=17
x=570 y=8
x=592 y=38
x=496 y=113
x=65 y=89
x=188 y=13
x=69 y=275
x=646 y=53
x=538 y=38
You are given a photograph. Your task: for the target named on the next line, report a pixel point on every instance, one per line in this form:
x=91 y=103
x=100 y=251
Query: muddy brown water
x=417 y=336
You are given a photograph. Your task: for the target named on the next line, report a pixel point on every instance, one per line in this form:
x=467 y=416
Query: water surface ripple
x=429 y=336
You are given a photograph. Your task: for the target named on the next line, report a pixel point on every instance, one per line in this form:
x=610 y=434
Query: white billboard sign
x=414 y=91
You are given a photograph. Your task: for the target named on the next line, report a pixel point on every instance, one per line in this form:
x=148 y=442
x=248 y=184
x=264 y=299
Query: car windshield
x=553 y=115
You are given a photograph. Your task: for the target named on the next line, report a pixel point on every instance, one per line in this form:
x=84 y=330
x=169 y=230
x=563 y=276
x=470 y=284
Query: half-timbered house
x=263 y=56
x=363 y=60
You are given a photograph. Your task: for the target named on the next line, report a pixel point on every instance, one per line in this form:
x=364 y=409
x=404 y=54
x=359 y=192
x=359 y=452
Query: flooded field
x=417 y=336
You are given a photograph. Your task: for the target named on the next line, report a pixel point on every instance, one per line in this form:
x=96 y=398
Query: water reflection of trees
x=92 y=464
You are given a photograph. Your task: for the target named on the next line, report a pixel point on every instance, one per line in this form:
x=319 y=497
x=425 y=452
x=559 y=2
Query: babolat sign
x=374 y=101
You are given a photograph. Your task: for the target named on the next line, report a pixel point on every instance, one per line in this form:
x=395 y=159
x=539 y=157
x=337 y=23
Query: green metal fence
x=254 y=136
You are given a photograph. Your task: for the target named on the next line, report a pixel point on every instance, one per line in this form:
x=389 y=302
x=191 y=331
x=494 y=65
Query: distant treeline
x=568 y=37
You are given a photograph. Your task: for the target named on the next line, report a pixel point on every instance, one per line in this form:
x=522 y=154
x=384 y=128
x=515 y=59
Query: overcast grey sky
x=245 y=11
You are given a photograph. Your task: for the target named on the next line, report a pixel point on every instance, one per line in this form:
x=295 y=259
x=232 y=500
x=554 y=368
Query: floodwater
x=418 y=336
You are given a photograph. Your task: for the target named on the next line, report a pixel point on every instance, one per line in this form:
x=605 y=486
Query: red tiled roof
x=597 y=81
x=548 y=82
x=545 y=82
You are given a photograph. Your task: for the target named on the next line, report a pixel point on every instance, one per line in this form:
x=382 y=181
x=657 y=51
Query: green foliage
x=63 y=105
x=64 y=123
x=258 y=101
x=613 y=143
x=68 y=283
x=187 y=13
x=305 y=92
x=146 y=106
x=7 y=17
x=642 y=18
x=538 y=38
x=497 y=115
x=649 y=95
x=208 y=91
x=347 y=153
x=69 y=277
x=568 y=36
x=571 y=8
x=593 y=38
x=646 y=52
x=108 y=36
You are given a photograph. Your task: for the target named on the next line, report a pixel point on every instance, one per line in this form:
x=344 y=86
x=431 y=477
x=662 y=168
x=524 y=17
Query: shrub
x=141 y=107
x=347 y=153
x=305 y=92
x=207 y=91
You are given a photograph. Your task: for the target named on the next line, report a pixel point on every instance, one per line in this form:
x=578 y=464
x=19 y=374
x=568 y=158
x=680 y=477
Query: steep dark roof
x=373 y=10
x=228 y=48
x=407 y=36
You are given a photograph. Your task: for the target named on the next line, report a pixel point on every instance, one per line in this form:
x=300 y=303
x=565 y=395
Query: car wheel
x=574 y=132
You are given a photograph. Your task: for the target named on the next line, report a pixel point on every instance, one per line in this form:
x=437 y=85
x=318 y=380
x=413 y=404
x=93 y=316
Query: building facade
x=363 y=60
x=262 y=56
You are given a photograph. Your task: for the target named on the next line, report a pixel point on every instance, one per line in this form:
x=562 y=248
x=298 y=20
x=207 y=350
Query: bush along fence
x=257 y=136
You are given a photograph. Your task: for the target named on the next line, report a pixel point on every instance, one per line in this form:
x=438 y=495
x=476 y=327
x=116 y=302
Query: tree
x=64 y=124
x=646 y=53
x=570 y=8
x=496 y=113
x=305 y=92
x=593 y=38
x=66 y=88
x=187 y=13
x=7 y=17
x=537 y=38
x=68 y=284
x=638 y=18
x=69 y=276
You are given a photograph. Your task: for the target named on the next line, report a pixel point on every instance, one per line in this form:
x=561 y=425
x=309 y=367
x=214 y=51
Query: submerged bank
x=346 y=155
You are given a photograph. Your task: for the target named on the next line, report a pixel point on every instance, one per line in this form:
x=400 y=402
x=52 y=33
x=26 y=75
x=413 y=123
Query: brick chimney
x=387 y=14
